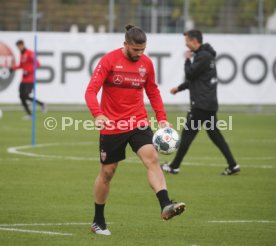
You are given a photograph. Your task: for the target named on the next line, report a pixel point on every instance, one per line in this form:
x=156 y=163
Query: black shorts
x=113 y=147
x=25 y=89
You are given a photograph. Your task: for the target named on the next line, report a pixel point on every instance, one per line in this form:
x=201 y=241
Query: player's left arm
x=155 y=99
x=31 y=61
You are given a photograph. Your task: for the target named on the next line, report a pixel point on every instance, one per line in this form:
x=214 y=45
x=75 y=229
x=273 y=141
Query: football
x=166 y=140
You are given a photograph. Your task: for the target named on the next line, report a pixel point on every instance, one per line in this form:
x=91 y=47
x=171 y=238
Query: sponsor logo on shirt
x=127 y=80
x=135 y=84
x=117 y=79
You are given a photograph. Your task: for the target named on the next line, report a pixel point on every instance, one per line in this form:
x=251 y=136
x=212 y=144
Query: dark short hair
x=135 y=35
x=194 y=34
x=19 y=42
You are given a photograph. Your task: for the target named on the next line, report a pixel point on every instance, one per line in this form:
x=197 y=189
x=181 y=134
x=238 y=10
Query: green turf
x=49 y=188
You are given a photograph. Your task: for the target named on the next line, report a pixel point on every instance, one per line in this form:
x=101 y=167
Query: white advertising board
x=246 y=65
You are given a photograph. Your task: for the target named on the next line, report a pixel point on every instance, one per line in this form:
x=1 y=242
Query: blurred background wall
x=155 y=16
x=242 y=31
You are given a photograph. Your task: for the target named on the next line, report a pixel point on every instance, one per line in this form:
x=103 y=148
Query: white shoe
x=44 y=108
x=27 y=117
x=230 y=171
x=173 y=209
x=167 y=168
x=99 y=230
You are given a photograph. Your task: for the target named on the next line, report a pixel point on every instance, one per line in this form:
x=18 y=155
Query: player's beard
x=131 y=57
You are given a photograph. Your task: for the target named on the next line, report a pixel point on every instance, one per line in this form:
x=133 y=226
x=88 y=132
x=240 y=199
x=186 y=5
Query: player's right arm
x=102 y=121
x=96 y=82
x=19 y=66
x=27 y=67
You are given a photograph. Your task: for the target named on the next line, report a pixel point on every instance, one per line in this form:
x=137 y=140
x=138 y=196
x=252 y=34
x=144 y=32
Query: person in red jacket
x=124 y=75
x=27 y=81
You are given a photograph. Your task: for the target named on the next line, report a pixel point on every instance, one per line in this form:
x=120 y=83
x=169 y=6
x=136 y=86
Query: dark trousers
x=25 y=89
x=200 y=118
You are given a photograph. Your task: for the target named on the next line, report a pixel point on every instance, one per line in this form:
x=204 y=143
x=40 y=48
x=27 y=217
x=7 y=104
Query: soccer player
x=123 y=75
x=27 y=82
x=201 y=80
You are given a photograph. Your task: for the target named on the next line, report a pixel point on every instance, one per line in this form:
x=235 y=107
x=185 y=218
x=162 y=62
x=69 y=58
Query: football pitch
x=45 y=190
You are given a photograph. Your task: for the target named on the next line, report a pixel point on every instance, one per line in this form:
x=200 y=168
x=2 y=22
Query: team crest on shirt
x=142 y=71
x=103 y=155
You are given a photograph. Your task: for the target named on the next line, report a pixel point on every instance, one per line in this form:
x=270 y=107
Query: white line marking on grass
x=10 y=159
x=48 y=224
x=240 y=158
x=201 y=164
x=51 y=224
x=18 y=150
x=38 y=232
x=253 y=140
x=242 y=221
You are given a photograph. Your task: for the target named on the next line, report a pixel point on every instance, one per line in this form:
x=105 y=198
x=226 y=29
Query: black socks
x=99 y=214
x=163 y=198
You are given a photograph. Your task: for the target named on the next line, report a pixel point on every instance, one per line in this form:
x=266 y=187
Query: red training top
x=123 y=82
x=27 y=64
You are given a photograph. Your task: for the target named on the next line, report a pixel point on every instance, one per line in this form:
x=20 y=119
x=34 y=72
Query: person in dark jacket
x=201 y=80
